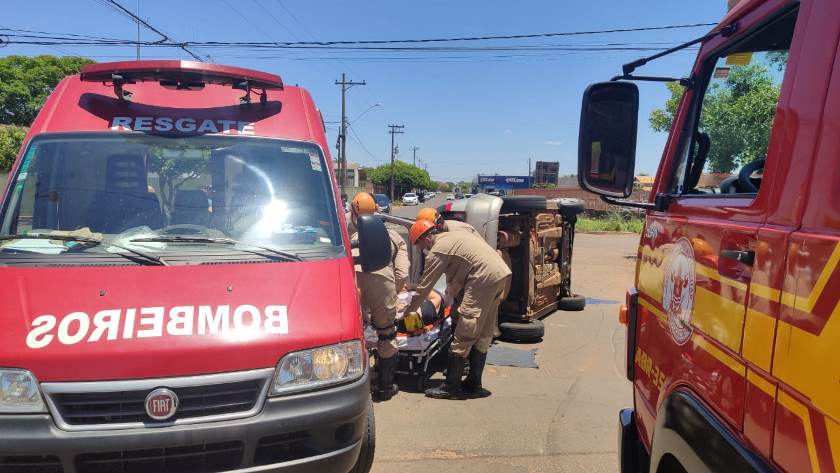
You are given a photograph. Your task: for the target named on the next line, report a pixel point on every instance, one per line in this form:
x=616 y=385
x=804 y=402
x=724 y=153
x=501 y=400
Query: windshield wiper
x=221 y=241
x=138 y=256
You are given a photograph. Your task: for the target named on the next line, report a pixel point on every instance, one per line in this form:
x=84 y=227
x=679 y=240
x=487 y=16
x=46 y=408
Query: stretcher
x=418 y=349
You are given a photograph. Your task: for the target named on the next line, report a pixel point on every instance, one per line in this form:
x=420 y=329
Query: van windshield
x=127 y=188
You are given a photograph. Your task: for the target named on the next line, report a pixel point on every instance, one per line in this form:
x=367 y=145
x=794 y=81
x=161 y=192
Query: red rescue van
x=178 y=289
x=733 y=340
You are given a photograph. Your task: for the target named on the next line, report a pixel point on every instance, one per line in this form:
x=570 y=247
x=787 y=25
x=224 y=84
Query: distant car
x=429 y=196
x=410 y=198
x=450 y=196
x=459 y=196
x=467 y=196
x=383 y=203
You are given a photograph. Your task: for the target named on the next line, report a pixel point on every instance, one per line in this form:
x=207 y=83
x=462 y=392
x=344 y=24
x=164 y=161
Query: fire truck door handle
x=745 y=257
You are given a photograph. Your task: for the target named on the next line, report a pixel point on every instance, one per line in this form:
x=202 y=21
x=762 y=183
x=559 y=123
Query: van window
x=119 y=187
x=728 y=148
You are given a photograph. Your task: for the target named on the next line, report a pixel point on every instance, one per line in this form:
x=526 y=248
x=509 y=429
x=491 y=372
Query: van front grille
x=122 y=407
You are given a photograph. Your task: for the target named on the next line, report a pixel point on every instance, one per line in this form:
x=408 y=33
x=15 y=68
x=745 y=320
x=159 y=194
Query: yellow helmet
x=363 y=204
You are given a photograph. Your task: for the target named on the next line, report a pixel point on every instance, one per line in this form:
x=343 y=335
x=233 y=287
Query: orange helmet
x=419 y=230
x=428 y=213
x=363 y=204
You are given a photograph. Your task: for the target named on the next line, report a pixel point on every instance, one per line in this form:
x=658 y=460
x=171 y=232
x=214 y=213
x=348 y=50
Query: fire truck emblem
x=678 y=290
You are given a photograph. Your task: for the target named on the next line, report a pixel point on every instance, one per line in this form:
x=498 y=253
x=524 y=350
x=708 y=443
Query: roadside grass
x=614 y=222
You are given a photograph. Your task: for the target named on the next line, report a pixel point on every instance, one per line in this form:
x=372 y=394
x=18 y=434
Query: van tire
x=572 y=303
x=524 y=203
x=365 y=461
x=523 y=331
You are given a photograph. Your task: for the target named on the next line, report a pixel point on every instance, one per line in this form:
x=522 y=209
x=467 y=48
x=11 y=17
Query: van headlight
x=319 y=367
x=19 y=393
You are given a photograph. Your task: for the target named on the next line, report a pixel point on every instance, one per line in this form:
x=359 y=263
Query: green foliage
x=613 y=222
x=737 y=115
x=661 y=119
x=406 y=176
x=441 y=186
x=174 y=169
x=11 y=138
x=25 y=83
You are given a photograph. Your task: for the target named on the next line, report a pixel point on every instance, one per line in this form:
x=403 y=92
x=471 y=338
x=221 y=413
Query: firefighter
x=469 y=263
x=432 y=215
x=379 y=298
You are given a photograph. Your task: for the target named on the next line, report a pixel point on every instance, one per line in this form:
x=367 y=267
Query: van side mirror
x=609 y=118
x=374 y=243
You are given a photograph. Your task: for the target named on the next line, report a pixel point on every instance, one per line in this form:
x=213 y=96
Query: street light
x=378 y=104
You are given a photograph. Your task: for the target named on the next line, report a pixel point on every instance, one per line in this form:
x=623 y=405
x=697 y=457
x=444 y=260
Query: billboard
x=504 y=182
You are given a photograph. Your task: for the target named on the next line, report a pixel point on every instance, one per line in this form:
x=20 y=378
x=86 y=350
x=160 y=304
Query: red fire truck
x=733 y=340
x=178 y=289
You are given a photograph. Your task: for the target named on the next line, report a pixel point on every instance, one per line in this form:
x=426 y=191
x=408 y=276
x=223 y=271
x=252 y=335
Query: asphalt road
x=561 y=417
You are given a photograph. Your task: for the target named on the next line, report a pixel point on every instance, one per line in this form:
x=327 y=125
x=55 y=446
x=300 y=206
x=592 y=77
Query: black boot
x=451 y=388
x=472 y=384
x=387 y=389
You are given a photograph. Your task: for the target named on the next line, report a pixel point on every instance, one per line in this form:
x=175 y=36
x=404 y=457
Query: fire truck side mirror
x=607 y=139
x=374 y=243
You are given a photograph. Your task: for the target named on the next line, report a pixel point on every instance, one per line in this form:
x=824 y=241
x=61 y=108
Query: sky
x=468 y=112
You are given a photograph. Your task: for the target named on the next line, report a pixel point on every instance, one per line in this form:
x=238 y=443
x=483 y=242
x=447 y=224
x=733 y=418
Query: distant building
x=645 y=183
x=546 y=172
x=507 y=183
x=356 y=177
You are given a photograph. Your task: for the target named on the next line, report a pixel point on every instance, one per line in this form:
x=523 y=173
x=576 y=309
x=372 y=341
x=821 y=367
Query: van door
x=806 y=359
x=699 y=257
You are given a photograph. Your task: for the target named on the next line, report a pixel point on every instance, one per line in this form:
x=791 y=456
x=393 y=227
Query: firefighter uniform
x=458 y=226
x=469 y=263
x=378 y=297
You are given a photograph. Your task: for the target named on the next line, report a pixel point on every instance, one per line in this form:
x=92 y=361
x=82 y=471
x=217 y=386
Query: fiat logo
x=161 y=404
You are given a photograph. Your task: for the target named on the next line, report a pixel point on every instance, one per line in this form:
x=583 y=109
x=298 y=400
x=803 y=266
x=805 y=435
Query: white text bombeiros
x=149 y=322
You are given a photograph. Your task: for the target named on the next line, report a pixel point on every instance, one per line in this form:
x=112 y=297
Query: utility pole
x=138 y=31
x=342 y=136
x=414 y=154
x=529 y=173
x=394 y=130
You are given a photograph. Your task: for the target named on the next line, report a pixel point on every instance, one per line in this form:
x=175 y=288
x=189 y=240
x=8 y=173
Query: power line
x=163 y=35
x=359 y=141
x=169 y=42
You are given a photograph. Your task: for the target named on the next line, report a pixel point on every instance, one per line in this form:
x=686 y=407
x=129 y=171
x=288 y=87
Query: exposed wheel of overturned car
x=365 y=461
x=572 y=303
x=522 y=331
x=523 y=203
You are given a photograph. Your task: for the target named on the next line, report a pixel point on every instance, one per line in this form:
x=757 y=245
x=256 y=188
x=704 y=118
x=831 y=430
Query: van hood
x=102 y=323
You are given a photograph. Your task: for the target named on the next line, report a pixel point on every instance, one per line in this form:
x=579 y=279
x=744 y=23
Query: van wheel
x=524 y=331
x=572 y=303
x=365 y=461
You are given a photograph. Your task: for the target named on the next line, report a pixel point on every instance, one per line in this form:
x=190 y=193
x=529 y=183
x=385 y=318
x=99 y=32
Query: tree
x=25 y=83
x=11 y=138
x=737 y=115
x=174 y=168
x=406 y=176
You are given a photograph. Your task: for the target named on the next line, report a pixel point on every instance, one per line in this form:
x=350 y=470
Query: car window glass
x=728 y=148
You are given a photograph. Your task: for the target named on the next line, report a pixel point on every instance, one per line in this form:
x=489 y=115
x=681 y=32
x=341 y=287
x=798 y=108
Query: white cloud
x=554 y=142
